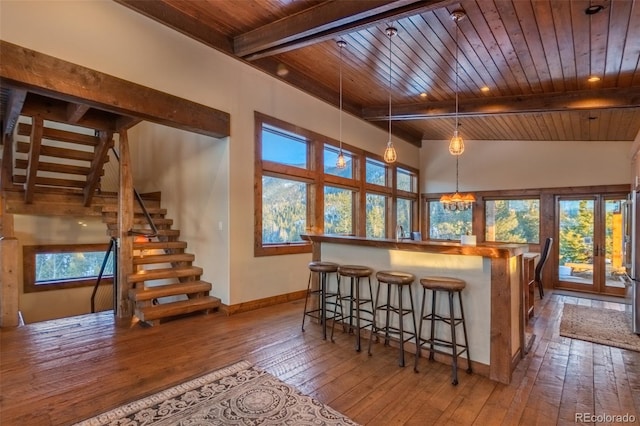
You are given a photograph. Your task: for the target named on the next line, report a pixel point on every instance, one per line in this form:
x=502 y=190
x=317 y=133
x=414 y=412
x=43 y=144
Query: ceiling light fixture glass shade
x=341 y=162
x=456 y=145
x=390 y=155
x=457 y=201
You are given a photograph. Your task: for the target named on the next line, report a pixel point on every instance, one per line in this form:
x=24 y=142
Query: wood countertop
x=490 y=250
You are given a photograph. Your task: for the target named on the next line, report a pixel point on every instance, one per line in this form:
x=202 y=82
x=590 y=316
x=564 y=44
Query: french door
x=590 y=235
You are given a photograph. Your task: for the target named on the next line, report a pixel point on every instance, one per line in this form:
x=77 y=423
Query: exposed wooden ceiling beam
x=168 y=15
x=53 y=77
x=569 y=101
x=14 y=106
x=76 y=111
x=323 y=22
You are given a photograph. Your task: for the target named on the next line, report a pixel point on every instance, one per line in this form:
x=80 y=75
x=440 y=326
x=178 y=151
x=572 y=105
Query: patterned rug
x=236 y=395
x=598 y=325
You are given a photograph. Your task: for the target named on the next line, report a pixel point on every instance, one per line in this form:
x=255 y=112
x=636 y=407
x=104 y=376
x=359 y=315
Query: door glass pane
x=614 y=244
x=575 y=262
x=338 y=210
x=376 y=218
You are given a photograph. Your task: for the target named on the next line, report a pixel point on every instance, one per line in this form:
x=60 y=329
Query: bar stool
x=354 y=301
x=452 y=286
x=320 y=313
x=400 y=280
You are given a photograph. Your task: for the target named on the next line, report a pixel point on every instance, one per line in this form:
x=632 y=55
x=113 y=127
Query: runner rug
x=236 y=395
x=599 y=325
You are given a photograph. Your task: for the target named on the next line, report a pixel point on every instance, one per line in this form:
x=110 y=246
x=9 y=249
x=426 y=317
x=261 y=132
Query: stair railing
x=142 y=206
x=112 y=249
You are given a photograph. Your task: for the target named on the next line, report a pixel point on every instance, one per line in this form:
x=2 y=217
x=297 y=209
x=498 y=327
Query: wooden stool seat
x=395 y=277
x=355 y=271
x=443 y=283
x=317 y=266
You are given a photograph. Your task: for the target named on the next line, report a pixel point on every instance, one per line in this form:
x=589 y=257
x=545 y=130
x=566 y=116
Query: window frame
x=29 y=267
x=510 y=198
x=317 y=179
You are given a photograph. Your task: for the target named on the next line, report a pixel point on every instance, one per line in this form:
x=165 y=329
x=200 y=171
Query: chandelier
x=456 y=145
x=457 y=201
x=341 y=163
x=390 y=155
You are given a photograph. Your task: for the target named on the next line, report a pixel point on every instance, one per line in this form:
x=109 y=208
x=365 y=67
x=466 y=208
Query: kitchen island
x=493 y=298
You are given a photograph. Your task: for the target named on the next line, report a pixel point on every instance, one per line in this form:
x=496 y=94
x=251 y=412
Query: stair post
x=124 y=307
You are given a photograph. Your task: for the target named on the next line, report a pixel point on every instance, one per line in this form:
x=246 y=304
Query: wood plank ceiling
x=533 y=57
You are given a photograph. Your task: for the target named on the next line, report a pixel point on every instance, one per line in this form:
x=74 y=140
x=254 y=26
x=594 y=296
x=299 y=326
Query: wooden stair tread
x=139 y=220
x=150 y=313
x=164 y=273
x=113 y=208
x=159 y=245
x=163 y=258
x=149 y=293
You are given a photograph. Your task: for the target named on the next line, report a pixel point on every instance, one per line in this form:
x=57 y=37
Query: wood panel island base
x=493 y=301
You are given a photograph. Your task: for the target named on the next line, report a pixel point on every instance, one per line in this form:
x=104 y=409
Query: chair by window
x=544 y=256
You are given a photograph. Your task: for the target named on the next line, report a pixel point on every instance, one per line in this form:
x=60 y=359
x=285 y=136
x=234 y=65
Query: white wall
x=108 y=37
x=491 y=165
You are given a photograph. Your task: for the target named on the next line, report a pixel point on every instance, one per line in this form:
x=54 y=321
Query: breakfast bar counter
x=493 y=298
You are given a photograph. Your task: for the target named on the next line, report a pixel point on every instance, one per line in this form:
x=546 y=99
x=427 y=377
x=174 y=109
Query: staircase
x=62 y=172
x=165 y=284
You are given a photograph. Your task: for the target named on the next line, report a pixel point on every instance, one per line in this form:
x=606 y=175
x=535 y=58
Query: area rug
x=599 y=325
x=236 y=395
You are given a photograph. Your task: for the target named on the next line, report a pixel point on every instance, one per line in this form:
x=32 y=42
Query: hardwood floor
x=58 y=372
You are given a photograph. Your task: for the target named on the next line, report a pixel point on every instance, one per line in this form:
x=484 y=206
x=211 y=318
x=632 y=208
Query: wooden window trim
x=29 y=267
x=316 y=179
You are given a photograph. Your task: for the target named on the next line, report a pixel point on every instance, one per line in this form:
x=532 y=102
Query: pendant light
x=456 y=145
x=390 y=155
x=457 y=201
x=341 y=163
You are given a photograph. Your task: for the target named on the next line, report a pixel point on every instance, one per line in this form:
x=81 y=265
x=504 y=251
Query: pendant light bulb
x=456 y=145
x=341 y=162
x=390 y=155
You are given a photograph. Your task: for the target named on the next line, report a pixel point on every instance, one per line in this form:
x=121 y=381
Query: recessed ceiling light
x=484 y=89
x=593 y=79
x=593 y=9
x=423 y=95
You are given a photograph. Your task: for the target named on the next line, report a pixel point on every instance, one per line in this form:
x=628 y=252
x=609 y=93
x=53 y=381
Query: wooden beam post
x=125 y=223
x=9 y=311
x=34 y=158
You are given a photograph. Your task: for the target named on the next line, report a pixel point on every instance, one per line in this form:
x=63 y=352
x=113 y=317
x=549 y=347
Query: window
x=406 y=180
x=512 y=221
x=299 y=189
x=54 y=267
x=280 y=146
x=376 y=216
x=447 y=225
x=338 y=210
x=376 y=172
x=330 y=159
x=404 y=214
x=284 y=210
